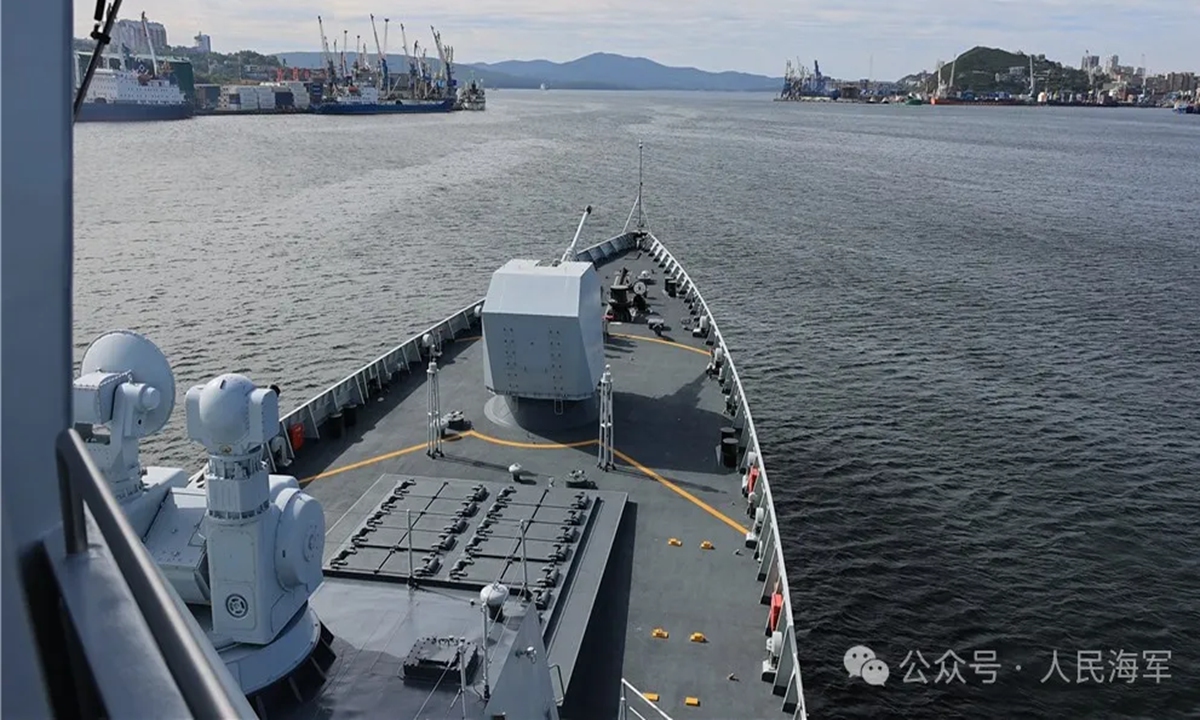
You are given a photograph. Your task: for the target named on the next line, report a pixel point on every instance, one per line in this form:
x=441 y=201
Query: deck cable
x=434 y=690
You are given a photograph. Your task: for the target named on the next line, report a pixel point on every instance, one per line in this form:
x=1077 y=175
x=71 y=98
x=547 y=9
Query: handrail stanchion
x=186 y=660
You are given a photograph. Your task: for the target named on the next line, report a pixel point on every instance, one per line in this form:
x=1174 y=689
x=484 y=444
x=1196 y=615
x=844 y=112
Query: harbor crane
x=420 y=71
x=381 y=59
x=387 y=75
x=798 y=82
x=150 y=44
x=411 y=60
x=445 y=54
x=345 y=46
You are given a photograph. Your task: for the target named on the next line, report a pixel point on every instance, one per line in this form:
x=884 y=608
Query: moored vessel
x=472 y=96
x=119 y=96
x=126 y=93
x=365 y=88
x=366 y=101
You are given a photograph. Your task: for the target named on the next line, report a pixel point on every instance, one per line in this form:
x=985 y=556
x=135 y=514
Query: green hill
x=988 y=70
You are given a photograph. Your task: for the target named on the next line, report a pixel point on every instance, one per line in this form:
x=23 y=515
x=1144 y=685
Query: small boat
x=472 y=96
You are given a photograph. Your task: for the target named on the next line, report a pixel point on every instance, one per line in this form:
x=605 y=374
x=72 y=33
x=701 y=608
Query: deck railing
x=764 y=533
x=357 y=388
x=635 y=706
x=782 y=667
x=207 y=690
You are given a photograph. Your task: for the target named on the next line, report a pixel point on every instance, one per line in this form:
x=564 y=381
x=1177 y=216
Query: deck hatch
x=465 y=535
x=439 y=659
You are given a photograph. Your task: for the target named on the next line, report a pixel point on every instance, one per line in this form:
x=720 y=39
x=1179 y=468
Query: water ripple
x=970 y=335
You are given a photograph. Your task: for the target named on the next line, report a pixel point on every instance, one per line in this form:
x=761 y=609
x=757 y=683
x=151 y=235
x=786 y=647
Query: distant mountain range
x=598 y=71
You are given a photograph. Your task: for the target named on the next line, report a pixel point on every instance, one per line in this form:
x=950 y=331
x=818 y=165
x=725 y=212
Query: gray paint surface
x=668 y=417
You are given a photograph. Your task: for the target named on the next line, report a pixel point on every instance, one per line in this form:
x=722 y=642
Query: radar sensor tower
x=126 y=392
x=244 y=551
x=265 y=536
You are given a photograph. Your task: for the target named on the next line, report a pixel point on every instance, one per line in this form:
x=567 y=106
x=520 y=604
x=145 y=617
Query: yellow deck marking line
x=627 y=336
x=527 y=445
x=422 y=446
x=660 y=341
x=364 y=463
x=683 y=493
x=545 y=446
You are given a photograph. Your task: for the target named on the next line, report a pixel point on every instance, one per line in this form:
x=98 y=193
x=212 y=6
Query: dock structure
x=801 y=84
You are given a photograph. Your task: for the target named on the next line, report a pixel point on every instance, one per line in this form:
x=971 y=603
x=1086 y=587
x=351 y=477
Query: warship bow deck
x=667 y=593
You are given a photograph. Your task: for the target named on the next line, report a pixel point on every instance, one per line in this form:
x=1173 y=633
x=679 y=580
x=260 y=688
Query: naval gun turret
x=242 y=548
x=543 y=342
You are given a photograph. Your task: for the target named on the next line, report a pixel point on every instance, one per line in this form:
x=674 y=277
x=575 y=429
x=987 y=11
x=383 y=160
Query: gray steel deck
x=668 y=415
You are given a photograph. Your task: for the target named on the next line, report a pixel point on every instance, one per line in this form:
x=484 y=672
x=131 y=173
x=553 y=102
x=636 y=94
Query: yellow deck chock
x=706 y=545
x=691 y=701
x=659 y=633
x=652 y=697
x=675 y=542
x=698 y=637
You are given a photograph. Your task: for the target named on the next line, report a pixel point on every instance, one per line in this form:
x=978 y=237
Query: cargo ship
x=801 y=84
x=366 y=101
x=943 y=96
x=366 y=88
x=129 y=96
x=122 y=92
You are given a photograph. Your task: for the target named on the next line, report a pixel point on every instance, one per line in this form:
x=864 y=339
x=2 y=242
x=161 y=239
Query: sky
x=886 y=39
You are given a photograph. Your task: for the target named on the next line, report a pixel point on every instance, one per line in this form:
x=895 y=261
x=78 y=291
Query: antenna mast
x=637 y=204
x=641 y=213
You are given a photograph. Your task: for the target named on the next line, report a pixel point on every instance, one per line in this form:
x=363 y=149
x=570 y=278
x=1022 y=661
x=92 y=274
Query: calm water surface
x=971 y=336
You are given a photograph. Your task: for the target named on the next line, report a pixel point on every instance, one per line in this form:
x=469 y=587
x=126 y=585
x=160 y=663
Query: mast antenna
x=637 y=203
x=641 y=213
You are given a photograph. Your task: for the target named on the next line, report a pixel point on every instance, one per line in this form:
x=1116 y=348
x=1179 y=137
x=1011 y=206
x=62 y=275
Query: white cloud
x=750 y=35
